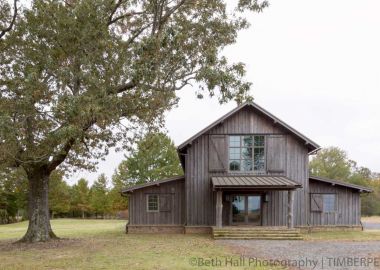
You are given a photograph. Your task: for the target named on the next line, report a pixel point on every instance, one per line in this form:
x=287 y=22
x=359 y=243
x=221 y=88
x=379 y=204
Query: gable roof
x=162 y=181
x=312 y=146
x=341 y=183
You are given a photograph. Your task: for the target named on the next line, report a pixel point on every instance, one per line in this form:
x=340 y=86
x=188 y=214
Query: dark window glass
x=259 y=141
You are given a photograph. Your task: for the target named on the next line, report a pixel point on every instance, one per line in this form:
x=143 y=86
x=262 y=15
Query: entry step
x=258 y=233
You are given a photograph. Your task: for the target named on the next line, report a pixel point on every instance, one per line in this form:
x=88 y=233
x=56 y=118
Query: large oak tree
x=79 y=76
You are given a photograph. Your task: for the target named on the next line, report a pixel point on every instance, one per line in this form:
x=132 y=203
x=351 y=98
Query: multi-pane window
x=247 y=153
x=152 y=203
x=328 y=203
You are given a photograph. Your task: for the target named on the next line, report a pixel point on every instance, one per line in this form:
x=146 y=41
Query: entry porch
x=254 y=201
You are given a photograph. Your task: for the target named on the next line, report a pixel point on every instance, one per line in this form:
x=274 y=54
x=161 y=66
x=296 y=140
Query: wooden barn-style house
x=245 y=176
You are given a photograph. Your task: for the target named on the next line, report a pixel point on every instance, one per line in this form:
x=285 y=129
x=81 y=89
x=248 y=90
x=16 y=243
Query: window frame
x=242 y=146
x=147 y=203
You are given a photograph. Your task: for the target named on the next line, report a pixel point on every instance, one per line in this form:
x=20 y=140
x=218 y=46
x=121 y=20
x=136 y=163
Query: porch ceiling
x=253 y=182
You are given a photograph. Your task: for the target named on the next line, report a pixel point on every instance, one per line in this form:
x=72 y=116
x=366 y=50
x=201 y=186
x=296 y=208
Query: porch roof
x=253 y=182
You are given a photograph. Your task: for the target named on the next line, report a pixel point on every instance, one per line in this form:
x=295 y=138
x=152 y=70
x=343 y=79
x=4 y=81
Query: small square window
x=152 y=203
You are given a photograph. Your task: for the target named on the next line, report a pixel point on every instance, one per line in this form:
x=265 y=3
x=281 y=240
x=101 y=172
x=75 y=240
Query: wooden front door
x=246 y=210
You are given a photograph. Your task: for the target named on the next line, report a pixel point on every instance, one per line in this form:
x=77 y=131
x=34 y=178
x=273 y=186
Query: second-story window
x=247 y=153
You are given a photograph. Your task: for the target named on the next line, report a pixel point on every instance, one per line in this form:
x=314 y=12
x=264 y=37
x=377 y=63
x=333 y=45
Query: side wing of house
x=210 y=155
x=158 y=203
x=334 y=202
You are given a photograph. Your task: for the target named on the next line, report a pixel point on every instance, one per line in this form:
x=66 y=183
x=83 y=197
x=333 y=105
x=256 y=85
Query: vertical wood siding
x=174 y=191
x=347 y=206
x=200 y=199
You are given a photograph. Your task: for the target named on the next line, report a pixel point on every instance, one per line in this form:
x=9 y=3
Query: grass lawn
x=102 y=244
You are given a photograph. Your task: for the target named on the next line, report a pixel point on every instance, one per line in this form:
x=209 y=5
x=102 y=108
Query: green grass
x=372 y=235
x=102 y=244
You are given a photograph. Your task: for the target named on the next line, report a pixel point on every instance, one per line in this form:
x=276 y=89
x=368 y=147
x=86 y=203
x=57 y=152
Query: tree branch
x=112 y=20
x=123 y=88
x=10 y=26
x=129 y=14
x=64 y=152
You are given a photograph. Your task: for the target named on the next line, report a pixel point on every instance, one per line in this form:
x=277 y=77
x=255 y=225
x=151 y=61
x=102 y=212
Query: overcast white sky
x=313 y=64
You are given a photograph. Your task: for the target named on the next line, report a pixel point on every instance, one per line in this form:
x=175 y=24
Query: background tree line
x=153 y=158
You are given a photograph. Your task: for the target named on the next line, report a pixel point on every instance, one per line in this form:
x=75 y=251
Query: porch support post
x=219 y=209
x=290 y=208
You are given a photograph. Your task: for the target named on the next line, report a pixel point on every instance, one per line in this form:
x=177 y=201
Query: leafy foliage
x=117 y=202
x=7 y=17
x=334 y=163
x=154 y=158
x=79 y=77
x=99 y=201
x=13 y=193
x=331 y=163
x=59 y=194
x=81 y=197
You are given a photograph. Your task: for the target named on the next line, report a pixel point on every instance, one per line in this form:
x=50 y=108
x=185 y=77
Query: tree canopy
x=7 y=16
x=99 y=201
x=154 y=158
x=331 y=163
x=79 y=77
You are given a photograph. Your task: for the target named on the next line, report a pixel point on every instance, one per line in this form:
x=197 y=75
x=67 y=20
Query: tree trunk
x=39 y=229
x=82 y=214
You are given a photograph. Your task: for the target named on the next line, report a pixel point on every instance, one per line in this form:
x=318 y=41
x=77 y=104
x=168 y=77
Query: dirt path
x=311 y=254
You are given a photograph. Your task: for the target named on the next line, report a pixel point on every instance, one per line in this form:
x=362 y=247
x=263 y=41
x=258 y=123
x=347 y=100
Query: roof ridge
x=260 y=109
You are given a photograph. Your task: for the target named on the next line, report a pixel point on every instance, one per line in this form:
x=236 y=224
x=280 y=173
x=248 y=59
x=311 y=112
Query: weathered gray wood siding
x=200 y=199
x=138 y=214
x=347 y=205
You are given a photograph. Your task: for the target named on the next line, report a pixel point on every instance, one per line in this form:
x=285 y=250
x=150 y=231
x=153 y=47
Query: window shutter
x=218 y=153
x=165 y=202
x=276 y=153
x=316 y=202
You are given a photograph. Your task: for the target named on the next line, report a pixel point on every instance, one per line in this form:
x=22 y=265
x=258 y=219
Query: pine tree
x=99 y=196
